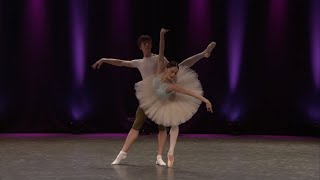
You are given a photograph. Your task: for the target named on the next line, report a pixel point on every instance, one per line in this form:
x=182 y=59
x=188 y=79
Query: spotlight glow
x=311 y=107
x=236 y=22
x=79 y=105
x=232 y=108
x=315 y=42
x=78 y=14
x=314 y=113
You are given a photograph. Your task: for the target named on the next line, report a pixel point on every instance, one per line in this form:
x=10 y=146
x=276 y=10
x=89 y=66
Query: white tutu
x=175 y=110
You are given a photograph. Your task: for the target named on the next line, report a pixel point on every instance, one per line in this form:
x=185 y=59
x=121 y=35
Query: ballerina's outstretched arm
x=182 y=90
x=161 y=60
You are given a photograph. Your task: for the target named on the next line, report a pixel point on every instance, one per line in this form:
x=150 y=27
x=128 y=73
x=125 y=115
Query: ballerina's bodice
x=161 y=88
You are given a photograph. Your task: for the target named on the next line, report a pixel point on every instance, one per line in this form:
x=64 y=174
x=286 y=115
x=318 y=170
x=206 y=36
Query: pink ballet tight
x=174 y=131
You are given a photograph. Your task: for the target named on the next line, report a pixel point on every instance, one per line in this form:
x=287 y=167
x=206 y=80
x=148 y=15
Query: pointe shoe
x=159 y=161
x=207 y=51
x=170 y=160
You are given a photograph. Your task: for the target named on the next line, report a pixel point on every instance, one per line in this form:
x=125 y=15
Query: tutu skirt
x=175 y=110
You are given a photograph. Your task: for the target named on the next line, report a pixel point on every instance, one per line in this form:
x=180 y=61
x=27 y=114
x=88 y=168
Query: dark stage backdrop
x=263 y=76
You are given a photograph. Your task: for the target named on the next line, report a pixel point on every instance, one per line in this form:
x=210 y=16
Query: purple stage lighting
x=315 y=42
x=199 y=25
x=36 y=48
x=277 y=20
x=236 y=25
x=312 y=108
x=78 y=27
x=277 y=17
x=79 y=108
x=36 y=19
x=79 y=105
x=35 y=31
x=232 y=109
x=120 y=26
x=120 y=19
x=314 y=113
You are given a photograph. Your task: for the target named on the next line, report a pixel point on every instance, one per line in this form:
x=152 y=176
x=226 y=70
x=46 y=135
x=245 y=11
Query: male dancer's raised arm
x=112 y=61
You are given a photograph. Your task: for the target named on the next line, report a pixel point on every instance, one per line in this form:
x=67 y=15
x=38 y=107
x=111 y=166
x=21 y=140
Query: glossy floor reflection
x=197 y=157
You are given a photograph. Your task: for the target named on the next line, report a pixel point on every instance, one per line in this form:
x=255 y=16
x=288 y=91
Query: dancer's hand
x=172 y=97
x=209 y=106
x=97 y=64
x=163 y=30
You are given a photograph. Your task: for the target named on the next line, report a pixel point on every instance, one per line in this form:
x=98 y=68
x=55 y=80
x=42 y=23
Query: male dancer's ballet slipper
x=121 y=156
x=159 y=161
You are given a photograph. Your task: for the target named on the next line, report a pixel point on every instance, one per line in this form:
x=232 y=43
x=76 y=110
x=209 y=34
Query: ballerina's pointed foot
x=208 y=50
x=170 y=160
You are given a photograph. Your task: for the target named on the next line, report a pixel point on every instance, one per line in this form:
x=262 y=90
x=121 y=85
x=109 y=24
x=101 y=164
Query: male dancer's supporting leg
x=133 y=135
x=162 y=138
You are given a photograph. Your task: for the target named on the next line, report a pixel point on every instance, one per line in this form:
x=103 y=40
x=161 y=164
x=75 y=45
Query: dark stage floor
x=197 y=157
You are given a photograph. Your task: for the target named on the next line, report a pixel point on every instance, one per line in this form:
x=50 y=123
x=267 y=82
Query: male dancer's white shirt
x=147 y=65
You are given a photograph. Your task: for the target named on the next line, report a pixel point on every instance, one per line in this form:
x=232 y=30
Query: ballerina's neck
x=166 y=80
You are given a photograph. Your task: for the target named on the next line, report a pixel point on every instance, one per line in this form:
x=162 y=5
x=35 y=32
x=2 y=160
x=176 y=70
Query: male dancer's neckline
x=148 y=56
